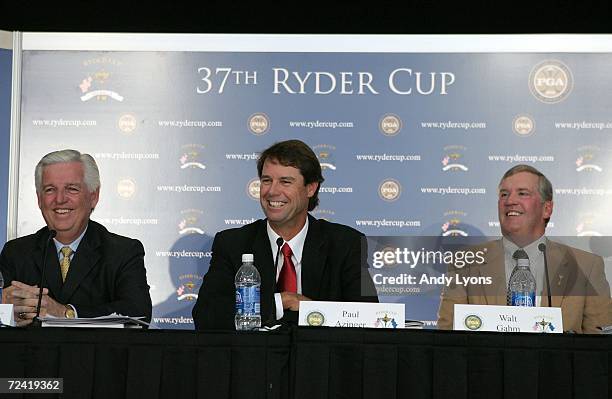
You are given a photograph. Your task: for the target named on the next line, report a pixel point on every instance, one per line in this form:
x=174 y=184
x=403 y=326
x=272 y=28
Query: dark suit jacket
x=106 y=274
x=577 y=281
x=331 y=271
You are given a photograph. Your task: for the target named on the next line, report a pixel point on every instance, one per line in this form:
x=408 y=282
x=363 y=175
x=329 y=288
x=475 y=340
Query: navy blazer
x=106 y=275
x=332 y=270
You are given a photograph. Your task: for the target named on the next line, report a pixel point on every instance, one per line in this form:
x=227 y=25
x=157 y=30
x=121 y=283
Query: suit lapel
x=559 y=273
x=314 y=256
x=86 y=257
x=264 y=262
x=494 y=267
x=53 y=278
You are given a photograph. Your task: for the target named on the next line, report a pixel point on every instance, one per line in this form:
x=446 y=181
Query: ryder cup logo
x=390 y=125
x=543 y=324
x=389 y=190
x=96 y=82
x=452 y=160
x=127 y=123
x=325 y=155
x=387 y=319
x=523 y=125
x=189 y=223
x=453 y=223
x=252 y=188
x=126 y=188
x=259 y=123
x=551 y=81
x=190 y=158
x=188 y=287
x=587 y=159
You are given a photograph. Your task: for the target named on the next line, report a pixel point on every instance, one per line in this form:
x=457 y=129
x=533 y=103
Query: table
x=310 y=363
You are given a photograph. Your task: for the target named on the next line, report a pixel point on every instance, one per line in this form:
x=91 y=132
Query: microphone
x=272 y=316
x=279 y=244
x=36 y=321
x=542 y=248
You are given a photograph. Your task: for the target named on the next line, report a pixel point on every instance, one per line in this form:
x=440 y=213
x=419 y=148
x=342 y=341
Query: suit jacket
x=577 y=281
x=106 y=274
x=331 y=270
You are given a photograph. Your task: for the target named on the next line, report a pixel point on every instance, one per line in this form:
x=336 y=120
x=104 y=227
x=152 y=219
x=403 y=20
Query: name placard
x=351 y=314
x=508 y=319
x=6 y=314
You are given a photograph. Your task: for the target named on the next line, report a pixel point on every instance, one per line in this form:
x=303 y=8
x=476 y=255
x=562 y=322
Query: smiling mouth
x=62 y=211
x=276 y=204
x=513 y=213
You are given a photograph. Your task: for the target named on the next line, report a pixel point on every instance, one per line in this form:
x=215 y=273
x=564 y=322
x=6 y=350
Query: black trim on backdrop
x=260 y=17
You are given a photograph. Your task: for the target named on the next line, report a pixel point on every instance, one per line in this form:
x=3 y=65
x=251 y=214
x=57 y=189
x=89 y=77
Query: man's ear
x=548 y=209
x=311 y=188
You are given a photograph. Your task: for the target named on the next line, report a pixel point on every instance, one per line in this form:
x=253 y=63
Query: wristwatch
x=69 y=313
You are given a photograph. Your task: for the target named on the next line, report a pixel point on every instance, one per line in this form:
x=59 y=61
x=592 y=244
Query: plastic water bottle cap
x=247 y=258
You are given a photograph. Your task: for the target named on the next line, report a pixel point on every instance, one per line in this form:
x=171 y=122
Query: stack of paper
x=110 y=321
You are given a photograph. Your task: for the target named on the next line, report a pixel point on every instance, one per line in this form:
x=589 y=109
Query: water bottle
x=247 y=281
x=522 y=285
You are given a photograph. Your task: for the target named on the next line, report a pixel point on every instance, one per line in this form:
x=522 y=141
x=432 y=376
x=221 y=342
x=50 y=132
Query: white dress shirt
x=297 y=246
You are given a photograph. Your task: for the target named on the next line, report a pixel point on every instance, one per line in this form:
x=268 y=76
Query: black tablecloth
x=110 y=364
x=310 y=363
x=341 y=363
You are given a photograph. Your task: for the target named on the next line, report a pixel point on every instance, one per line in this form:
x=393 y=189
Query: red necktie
x=287 y=280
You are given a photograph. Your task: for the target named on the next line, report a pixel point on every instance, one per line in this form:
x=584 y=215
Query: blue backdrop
x=5 y=126
x=411 y=143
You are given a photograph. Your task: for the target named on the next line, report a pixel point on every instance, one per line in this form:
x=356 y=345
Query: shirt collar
x=296 y=243
x=73 y=245
x=532 y=249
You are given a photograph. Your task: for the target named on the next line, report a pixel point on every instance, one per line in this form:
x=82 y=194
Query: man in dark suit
x=318 y=260
x=90 y=272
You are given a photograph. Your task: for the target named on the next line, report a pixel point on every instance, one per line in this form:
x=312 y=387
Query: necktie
x=65 y=265
x=518 y=254
x=287 y=279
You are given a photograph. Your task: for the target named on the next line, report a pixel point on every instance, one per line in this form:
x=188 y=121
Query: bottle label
x=247 y=300
x=523 y=299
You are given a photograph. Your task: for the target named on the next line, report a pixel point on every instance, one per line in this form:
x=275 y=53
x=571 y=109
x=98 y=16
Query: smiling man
x=90 y=272
x=578 y=282
x=318 y=260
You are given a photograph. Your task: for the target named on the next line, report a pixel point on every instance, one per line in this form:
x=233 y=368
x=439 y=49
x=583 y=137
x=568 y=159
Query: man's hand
x=291 y=300
x=25 y=299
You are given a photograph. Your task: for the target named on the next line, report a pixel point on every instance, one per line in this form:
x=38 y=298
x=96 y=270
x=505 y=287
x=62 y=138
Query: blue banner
x=5 y=131
x=411 y=143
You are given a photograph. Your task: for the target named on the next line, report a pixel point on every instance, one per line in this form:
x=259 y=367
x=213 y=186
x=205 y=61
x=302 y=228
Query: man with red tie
x=318 y=260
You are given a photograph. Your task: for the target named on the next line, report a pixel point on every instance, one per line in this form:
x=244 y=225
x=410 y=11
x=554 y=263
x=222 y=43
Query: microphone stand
x=272 y=316
x=36 y=321
x=542 y=248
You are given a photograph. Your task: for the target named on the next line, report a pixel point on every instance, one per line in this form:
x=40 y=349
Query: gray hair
x=91 y=175
x=544 y=185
